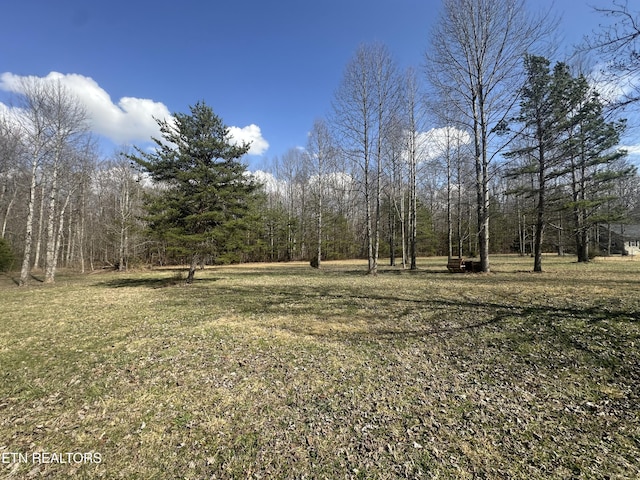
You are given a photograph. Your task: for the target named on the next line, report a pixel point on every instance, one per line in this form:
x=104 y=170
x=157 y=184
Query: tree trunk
x=392 y=235
x=459 y=208
x=51 y=271
x=378 y=194
x=192 y=269
x=38 y=249
x=26 y=259
x=121 y=249
x=81 y=229
x=449 y=216
x=413 y=203
x=319 y=225
x=403 y=228
x=49 y=268
x=537 y=247
x=484 y=218
x=367 y=200
x=372 y=266
x=480 y=201
x=7 y=212
x=582 y=245
x=560 y=246
x=482 y=187
x=70 y=242
x=540 y=221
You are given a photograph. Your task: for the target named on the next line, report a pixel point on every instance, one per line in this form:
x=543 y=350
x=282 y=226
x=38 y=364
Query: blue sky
x=267 y=68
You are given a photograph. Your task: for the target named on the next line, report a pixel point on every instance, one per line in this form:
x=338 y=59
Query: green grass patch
x=283 y=371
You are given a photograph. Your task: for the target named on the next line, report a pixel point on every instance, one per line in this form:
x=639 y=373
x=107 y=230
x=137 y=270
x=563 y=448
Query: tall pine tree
x=564 y=138
x=591 y=159
x=204 y=195
x=537 y=142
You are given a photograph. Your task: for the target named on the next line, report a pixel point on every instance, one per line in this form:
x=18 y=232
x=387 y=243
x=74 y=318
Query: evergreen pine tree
x=204 y=195
x=591 y=160
x=537 y=141
x=564 y=138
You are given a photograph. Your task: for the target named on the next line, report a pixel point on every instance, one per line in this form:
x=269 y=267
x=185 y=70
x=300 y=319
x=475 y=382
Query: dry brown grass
x=282 y=371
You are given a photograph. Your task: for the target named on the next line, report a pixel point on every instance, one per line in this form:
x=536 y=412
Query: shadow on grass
x=293 y=269
x=15 y=279
x=309 y=300
x=600 y=332
x=153 y=282
x=600 y=335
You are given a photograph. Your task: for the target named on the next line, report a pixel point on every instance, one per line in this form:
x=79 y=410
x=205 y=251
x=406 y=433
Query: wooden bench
x=473 y=266
x=456 y=265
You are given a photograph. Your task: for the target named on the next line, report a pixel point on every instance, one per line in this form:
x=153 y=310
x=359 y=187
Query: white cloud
x=250 y=133
x=270 y=182
x=614 y=87
x=632 y=150
x=129 y=120
x=337 y=180
x=5 y=111
x=433 y=144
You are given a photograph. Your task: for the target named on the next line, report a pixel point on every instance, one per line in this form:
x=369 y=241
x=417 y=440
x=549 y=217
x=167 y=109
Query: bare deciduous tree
x=66 y=122
x=50 y=122
x=412 y=111
x=321 y=154
x=619 y=45
x=364 y=104
x=474 y=66
x=10 y=159
x=291 y=169
x=33 y=133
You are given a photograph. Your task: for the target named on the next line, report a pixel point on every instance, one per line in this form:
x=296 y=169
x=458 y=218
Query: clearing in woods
x=284 y=371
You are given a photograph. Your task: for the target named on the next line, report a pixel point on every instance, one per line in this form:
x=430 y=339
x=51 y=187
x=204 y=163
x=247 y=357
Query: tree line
x=488 y=148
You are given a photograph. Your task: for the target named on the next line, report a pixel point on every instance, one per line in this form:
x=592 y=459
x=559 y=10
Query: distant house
x=626 y=239
x=631 y=239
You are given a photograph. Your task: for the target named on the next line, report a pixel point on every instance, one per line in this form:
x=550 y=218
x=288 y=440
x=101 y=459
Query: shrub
x=6 y=255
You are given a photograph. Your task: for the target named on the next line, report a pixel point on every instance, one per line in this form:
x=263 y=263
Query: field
x=283 y=371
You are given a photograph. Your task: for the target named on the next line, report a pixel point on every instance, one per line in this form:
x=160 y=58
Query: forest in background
x=438 y=160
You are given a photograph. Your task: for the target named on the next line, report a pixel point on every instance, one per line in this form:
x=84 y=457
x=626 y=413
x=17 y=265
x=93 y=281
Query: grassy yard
x=282 y=371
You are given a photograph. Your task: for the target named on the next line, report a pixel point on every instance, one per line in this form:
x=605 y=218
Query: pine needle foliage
x=202 y=194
